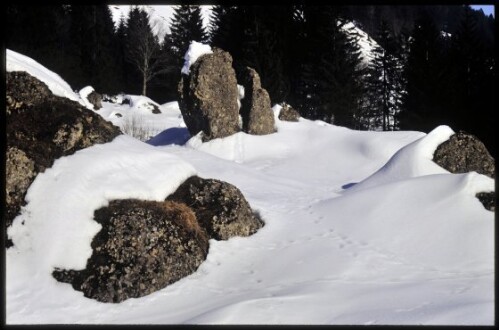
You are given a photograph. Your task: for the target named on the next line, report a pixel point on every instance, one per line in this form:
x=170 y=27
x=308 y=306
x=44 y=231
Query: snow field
x=360 y=228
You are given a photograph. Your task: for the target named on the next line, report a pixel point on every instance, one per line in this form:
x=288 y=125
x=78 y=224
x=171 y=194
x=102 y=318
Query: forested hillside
x=434 y=64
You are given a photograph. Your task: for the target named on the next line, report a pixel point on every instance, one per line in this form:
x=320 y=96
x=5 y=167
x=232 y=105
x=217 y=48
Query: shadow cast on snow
x=174 y=135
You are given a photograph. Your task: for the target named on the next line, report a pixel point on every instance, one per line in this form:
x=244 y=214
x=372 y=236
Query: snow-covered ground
x=360 y=228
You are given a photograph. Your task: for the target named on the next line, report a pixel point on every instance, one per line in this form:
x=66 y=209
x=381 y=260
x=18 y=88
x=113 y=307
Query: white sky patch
x=487 y=9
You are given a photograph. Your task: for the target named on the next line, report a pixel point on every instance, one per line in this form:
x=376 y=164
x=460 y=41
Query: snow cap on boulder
x=196 y=50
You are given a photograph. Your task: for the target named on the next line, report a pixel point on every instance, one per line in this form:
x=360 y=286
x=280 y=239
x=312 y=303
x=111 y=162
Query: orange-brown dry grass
x=185 y=217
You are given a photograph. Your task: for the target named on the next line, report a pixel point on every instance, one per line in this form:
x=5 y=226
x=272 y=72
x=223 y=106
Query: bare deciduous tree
x=143 y=48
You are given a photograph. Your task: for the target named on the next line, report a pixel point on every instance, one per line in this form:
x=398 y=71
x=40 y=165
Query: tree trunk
x=144 y=84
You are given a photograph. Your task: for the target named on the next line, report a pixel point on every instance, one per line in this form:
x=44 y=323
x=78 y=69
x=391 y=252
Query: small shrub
x=134 y=126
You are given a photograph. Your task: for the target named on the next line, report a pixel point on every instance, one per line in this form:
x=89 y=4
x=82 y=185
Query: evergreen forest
x=435 y=64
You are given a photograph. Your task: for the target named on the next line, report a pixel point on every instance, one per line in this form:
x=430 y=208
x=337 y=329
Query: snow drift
x=361 y=228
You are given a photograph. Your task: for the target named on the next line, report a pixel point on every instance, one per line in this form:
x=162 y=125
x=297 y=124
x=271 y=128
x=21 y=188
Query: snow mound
x=84 y=93
x=196 y=49
x=410 y=161
x=19 y=62
x=139 y=112
x=62 y=200
x=402 y=214
x=142 y=103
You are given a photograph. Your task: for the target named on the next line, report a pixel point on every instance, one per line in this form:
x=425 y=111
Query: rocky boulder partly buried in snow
x=142 y=247
x=95 y=99
x=256 y=111
x=220 y=207
x=208 y=96
x=288 y=113
x=464 y=152
x=42 y=127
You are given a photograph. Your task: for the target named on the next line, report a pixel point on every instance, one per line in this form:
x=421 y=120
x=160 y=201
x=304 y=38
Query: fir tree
x=332 y=73
x=383 y=82
x=92 y=34
x=187 y=26
x=470 y=93
x=423 y=105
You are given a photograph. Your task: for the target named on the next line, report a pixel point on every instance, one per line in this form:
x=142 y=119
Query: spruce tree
x=187 y=26
x=92 y=34
x=470 y=95
x=423 y=105
x=332 y=73
x=384 y=86
x=223 y=23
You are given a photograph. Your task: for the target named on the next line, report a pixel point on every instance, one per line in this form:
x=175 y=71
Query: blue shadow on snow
x=174 y=135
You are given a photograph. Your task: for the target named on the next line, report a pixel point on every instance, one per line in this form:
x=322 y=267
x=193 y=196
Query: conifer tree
x=92 y=34
x=384 y=86
x=423 y=105
x=471 y=87
x=332 y=73
x=187 y=26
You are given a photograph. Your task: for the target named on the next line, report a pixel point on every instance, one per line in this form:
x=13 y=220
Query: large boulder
x=464 y=152
x=220 y=207
x=208 y=96
x=42 y=127
x=288 y=113
x=256 y=111
x=142 y=247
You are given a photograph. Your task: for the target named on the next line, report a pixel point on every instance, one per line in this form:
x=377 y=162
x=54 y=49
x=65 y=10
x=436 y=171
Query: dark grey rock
x=256 y=111
x=464 y=152
x=208 y=96
x=95 y=99
x=220 y=207
x=155 y=109
x=143 y=246
x=488 y=200
x=288 y=113
x=41 y=127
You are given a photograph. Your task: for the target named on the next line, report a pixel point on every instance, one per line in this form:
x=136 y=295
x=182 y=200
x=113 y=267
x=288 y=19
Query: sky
x=487 y=9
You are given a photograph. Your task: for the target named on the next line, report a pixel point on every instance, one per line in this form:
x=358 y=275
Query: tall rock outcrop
x=208 y=96
x=256 y=111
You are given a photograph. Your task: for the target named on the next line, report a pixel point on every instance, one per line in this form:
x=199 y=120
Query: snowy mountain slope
x=360 y=228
